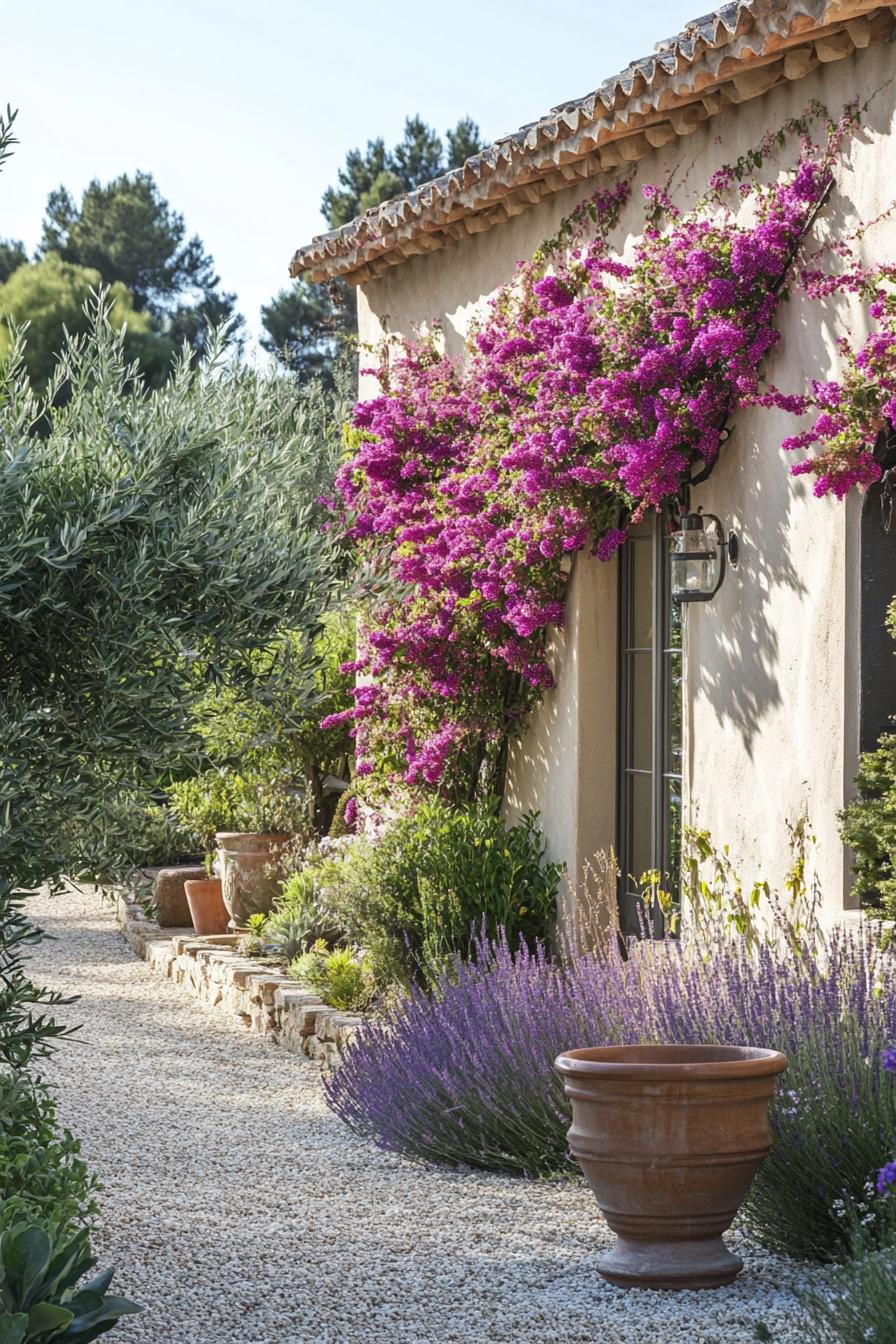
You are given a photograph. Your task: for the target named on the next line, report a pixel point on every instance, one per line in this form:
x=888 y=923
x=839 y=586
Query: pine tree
x=305 y=325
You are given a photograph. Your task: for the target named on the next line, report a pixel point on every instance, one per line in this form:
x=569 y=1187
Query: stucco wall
x=771 y=664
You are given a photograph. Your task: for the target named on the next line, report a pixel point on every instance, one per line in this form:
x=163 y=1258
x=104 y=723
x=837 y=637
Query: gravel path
x=238 y=1209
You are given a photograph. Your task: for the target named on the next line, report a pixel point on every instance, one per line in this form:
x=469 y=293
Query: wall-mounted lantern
x=699 y=550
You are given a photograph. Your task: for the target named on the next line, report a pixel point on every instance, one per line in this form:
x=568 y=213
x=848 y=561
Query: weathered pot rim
x=253 y=835
x=665 y=1063
x=205 y=883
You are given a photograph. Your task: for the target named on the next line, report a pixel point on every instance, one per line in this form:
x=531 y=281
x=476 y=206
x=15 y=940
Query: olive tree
x=150 y=544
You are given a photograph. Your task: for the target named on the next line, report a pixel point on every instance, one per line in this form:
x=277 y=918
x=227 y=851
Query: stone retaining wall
x=259 y=994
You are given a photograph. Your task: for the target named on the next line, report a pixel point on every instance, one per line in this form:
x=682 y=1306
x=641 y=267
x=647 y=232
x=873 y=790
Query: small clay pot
x=669 y=1138
x=208 y=913
x=251 y=872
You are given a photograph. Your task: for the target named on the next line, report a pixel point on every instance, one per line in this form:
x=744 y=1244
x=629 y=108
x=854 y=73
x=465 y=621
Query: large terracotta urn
x=669 y=1138
x=251 y=873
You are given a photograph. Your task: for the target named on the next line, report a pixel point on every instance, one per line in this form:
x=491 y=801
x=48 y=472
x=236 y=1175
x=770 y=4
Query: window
x=650 y=717
x=877 y=685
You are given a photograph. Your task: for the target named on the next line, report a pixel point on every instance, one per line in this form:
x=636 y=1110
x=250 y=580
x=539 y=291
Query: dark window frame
x=877 y=667
x=661 y=830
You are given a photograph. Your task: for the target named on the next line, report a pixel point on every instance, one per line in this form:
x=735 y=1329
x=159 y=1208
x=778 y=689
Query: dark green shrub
x=869 y=823
x=40 y=1300
x=423 y=893
x=42 y=1176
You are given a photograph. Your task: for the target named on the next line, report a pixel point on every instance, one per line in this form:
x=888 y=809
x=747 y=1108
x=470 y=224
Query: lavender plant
x=886 y=1177
x=858 y=1304
x=465 y=1076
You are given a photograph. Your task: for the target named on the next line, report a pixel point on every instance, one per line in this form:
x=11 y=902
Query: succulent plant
x=40 y=1301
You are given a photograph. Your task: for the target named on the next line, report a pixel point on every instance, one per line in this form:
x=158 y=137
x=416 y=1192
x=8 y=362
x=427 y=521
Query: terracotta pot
x=208 y=913
x=250 y=872
x=669 y=1138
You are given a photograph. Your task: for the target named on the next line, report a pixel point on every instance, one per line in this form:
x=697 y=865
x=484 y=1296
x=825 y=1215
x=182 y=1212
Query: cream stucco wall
x=771 y=664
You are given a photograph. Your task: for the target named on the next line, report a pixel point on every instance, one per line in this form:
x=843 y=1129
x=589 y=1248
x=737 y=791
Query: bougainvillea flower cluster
x=589 y=391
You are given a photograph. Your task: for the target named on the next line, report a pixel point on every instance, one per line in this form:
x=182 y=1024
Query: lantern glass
x=696 y=557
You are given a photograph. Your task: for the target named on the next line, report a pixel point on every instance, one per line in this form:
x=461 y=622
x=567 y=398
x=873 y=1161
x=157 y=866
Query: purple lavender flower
x=465 y=1076
x=888 y=1058
x=886 y=1179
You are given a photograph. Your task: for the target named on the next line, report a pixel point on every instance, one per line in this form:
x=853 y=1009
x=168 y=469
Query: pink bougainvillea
x=589 y=391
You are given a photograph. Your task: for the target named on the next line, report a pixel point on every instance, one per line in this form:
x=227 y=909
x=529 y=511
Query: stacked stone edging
x=260 y=995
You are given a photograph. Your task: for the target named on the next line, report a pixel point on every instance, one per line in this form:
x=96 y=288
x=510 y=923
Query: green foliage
x=307 y=326
x=27 y=1031
x=299 y=894
x=53 y=297
x=155 y=835
x=289 y=932
x=371 y=176
x=298 y=918
x=42 y=1176
x=224 y=800
x=295 y=921
x=150 y=545
x=7 y=139
x=12 y=256
x=462 y=143
x=269 y=753
x=340 y=977
x=833 y=1123
x=40 y=1301
x=857 y=1303
x=127 y=231
x=339 y=826
x=868 y=824
x=435 y=881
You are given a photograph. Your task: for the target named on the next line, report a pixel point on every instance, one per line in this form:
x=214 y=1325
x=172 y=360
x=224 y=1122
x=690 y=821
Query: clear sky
x=244 y=109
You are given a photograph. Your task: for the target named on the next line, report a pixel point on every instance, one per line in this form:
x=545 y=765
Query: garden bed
x=257 y=992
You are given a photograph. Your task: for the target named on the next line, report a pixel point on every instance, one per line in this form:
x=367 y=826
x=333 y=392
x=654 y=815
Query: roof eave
x=727 y=58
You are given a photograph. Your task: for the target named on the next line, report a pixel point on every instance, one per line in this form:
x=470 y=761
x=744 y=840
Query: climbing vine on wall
x=590 y=390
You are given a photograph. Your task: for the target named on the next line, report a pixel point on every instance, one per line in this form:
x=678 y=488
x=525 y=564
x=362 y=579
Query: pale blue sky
x=244 y=109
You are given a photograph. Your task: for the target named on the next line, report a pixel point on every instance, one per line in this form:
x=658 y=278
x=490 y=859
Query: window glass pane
x=672 y=865
x=640 y=815
x=650 y=681
x=641 y=578
x=673 y=633
x=672 y=694
x=641 y=711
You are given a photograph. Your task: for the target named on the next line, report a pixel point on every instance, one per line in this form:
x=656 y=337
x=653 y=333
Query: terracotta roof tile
x=736 y=53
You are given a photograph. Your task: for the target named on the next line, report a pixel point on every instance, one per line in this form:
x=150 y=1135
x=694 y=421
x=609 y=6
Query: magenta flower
x=587 y=395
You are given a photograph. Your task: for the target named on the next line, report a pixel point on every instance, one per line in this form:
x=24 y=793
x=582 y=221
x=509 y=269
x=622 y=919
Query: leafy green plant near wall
x=339 y=975
x=869 y=823
x=434 y=880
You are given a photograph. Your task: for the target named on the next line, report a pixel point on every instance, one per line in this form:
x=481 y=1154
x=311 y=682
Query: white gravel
x=237 y=1208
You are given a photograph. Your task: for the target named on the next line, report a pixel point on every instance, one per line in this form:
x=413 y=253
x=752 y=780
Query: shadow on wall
x=735 y=645
x=733 y=653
